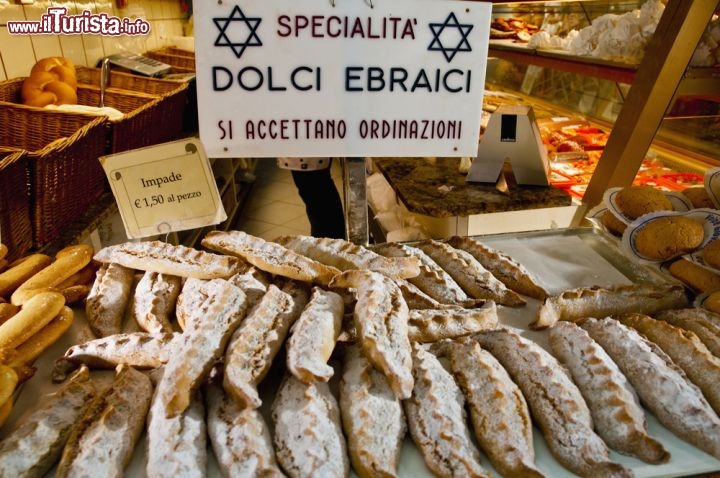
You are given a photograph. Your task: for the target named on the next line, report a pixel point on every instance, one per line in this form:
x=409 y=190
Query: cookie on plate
x=666 y=237
x=635 y=201
x=711 y=254
x=698 y=197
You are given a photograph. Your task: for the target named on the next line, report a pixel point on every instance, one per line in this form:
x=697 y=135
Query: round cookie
x=712 y=302
x=634 y=201
x=697 y=277
x=612 y=223
x=698 y=196
x=666 y=237
x=711 y=254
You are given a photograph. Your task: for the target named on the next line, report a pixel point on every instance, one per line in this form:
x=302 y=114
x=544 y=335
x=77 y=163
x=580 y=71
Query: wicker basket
x=144 y=123
x=15 y=224
x=180 y=62
x=173 y=50
x=173 y=96
x=64 y=174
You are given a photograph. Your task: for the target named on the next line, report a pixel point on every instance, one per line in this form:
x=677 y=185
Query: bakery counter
x=546 y=254
x=435 y=193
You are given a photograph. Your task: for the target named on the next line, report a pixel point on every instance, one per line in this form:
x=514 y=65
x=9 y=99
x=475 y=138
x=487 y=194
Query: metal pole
x=355 y=192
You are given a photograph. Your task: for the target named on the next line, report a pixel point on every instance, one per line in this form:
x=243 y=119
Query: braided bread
x=52 y=81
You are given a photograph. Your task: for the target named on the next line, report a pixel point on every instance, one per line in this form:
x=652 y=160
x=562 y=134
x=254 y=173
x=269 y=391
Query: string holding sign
x=332 y=3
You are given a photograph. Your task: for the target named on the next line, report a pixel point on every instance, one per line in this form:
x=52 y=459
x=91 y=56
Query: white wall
x=19 y=53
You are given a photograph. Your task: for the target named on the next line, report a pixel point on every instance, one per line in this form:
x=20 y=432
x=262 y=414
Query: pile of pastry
x=677 y=230
x=409 y=331
x=514 y=28
x=36 y=292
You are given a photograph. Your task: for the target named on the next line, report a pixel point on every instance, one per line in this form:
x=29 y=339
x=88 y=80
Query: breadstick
x=22 y=270
x=67 y=262
x=3 y=250
x=8 y=382
x=34 y=315
x=7 y=310
x=28 y=351
x=75 y=294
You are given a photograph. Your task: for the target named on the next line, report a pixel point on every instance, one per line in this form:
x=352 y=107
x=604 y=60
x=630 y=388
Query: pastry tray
x=560 y=259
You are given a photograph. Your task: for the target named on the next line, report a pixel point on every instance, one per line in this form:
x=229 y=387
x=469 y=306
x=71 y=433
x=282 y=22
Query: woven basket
x=182 y=62
x=173 y=50
x=144 y=123
x=15 y=224
x=173 y=96
x=64 y=174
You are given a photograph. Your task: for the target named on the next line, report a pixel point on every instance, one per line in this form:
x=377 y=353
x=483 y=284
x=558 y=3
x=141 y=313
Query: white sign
x=164 y=188
x=306 y=78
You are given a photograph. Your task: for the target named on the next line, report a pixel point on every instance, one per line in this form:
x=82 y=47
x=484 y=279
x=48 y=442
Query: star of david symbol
x=236 y=19
x=450 y=23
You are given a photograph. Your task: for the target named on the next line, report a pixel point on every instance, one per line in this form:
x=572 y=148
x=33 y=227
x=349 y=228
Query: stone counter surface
x=435 y=187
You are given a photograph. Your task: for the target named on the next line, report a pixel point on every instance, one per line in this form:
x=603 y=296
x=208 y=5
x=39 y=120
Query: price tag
x=164 y=188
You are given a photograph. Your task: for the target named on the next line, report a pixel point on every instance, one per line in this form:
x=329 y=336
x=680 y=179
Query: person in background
x=318 y=191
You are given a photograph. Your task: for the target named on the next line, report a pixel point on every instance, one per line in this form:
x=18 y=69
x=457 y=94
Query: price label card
x=164 y=188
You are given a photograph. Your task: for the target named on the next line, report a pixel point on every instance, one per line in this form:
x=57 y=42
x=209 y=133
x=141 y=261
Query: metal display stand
x=355 y=195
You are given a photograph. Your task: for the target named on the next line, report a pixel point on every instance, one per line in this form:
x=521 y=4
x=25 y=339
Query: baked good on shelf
x=313 y=336
x=498 y=410
x=662 y=386
x=154 y=301
x=711 y=254
x=158 y=256
x=239 y=436
x=666 y=237
x=565 y=423
x=502 y=266
x=345 y=255
x=697 y=277
x=712 y=302
x=258 y=339
x=108 y=297
x=102 y=441
x=470 y=274
x=616 y=412
x=635 y=201
x=430 y=325
x=372 y=417
x=140 y=350
x=34 y=447
x=176 y=446
x=202 y=343
x=269 y=256
x=705 y=330
x=437 y=420
x=432 y=279
x=698 y=197
x=381 y=322
x=52 y=81
x=612 y=223
x=308 y=438
x=597 y=301
x=685 y=349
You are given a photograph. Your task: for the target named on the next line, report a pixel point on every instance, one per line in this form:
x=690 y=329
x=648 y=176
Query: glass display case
x=645 y=72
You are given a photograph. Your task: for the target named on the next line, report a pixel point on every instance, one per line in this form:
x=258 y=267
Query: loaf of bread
x=52 y=81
